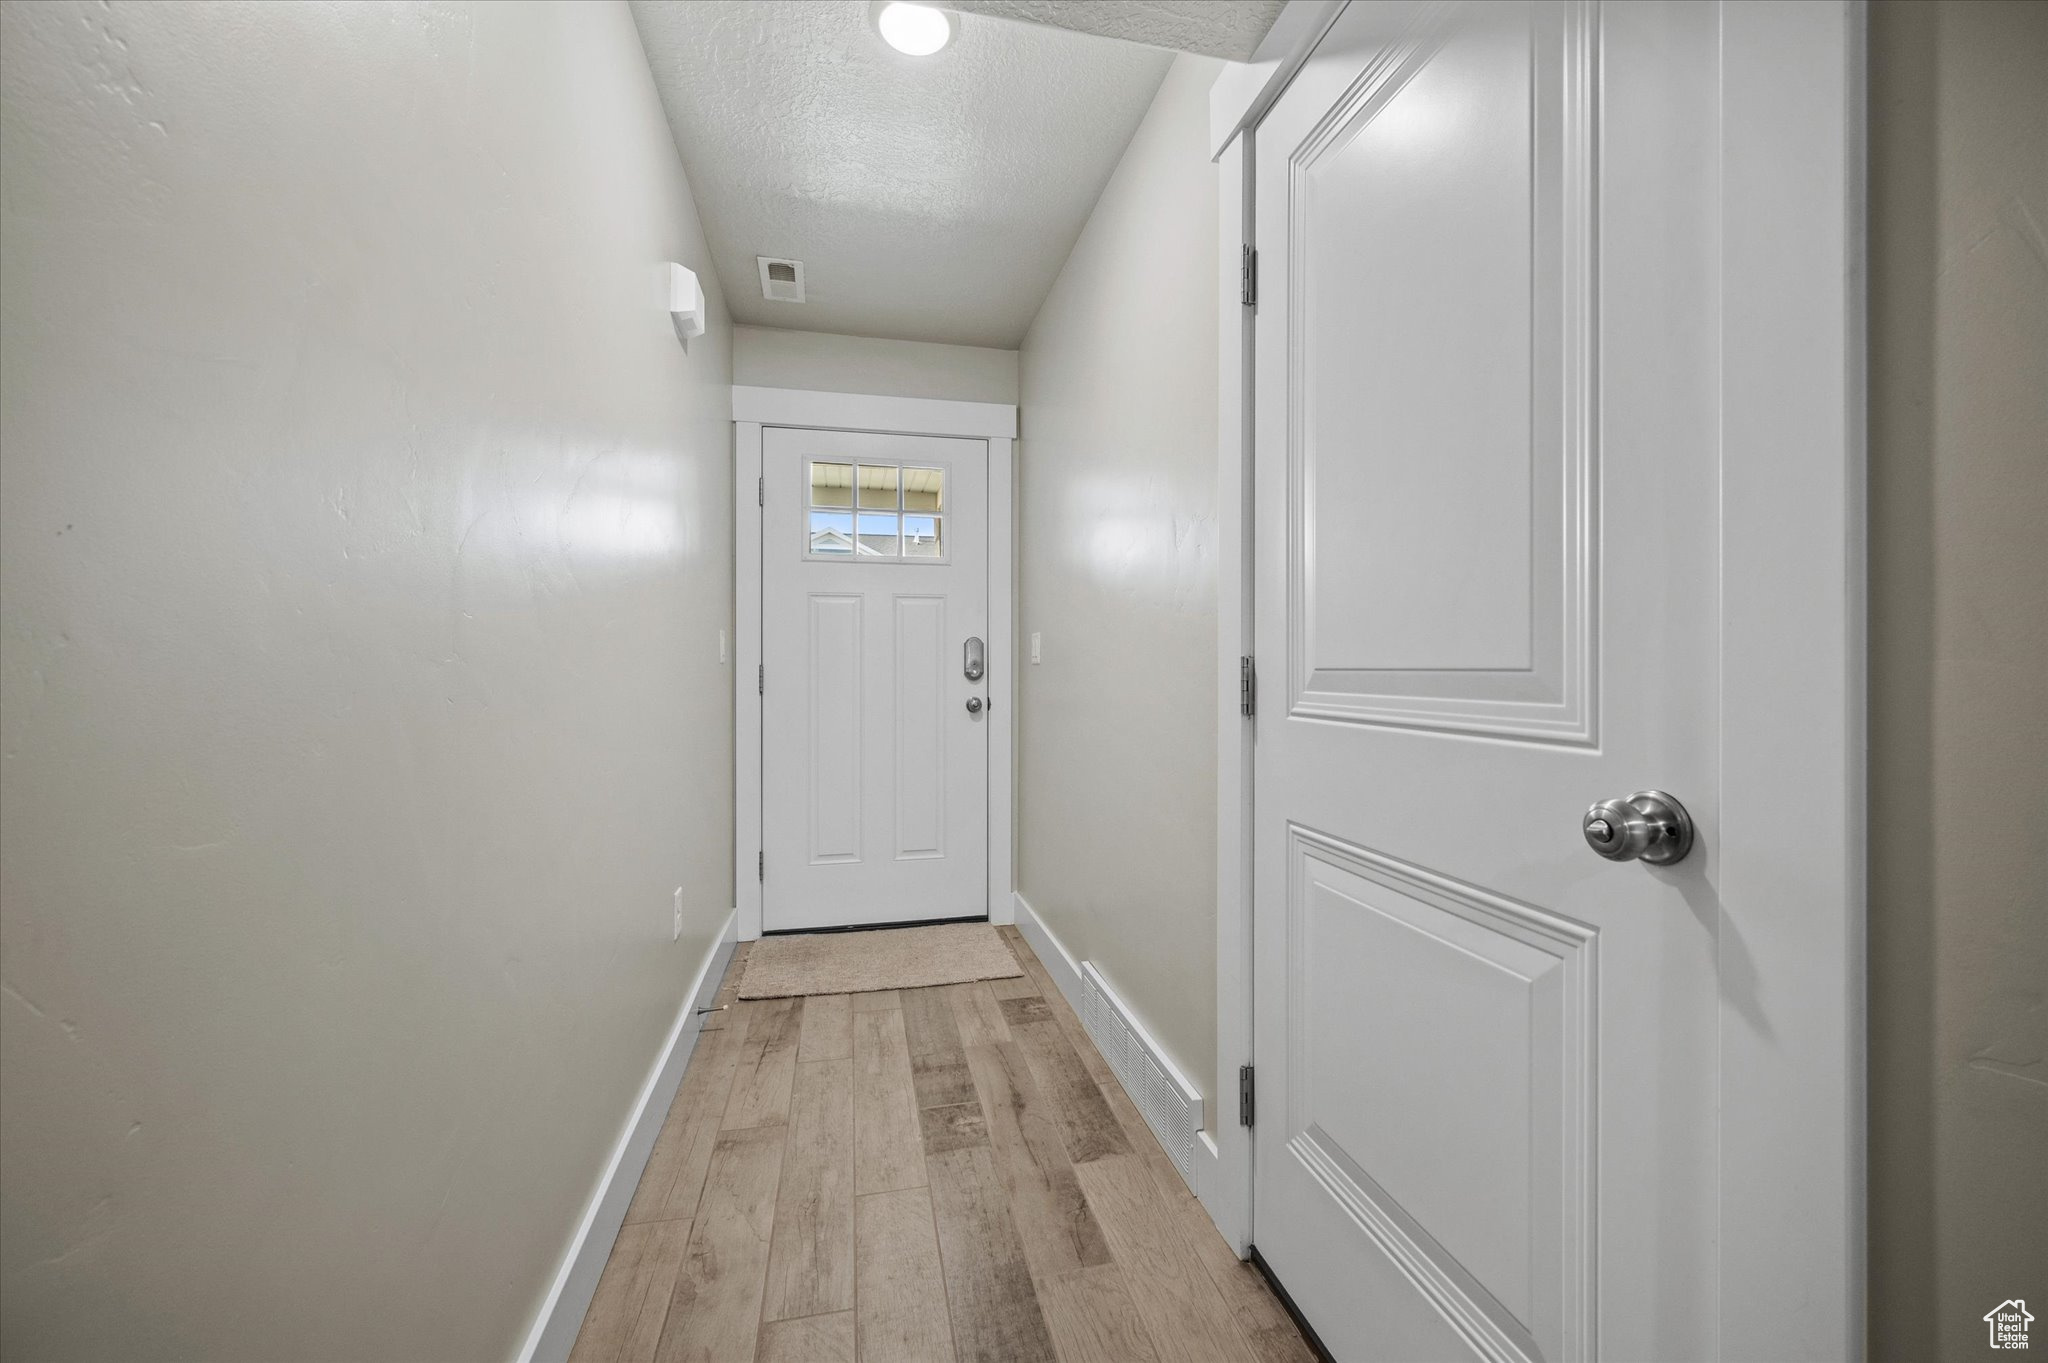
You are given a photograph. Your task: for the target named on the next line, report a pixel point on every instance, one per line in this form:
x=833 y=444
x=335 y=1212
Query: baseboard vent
x=1172 y=1106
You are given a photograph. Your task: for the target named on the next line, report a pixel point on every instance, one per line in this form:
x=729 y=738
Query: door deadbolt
x=1648 y=826
x=972 y=664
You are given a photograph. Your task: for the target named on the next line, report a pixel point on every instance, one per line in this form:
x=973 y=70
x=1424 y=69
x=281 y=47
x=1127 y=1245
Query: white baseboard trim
x=561 y=1313
x=1067 y=973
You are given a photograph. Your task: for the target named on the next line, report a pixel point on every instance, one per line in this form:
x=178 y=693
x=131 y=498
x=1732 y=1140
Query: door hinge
x=760 y=679
x=1248 y=278
x=1247 y=686
x=760 y=865
x=761 y=491
x=1247 y=1101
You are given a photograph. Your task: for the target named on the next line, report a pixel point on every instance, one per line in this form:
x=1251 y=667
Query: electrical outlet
x=678 y=936
x=1034 y=646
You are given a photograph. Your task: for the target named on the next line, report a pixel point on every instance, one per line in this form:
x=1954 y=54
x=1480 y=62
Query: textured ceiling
x=930 y=199
x=1214 y=28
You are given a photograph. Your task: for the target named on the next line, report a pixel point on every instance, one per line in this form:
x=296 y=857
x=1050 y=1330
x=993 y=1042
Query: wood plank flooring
x=944 y=1175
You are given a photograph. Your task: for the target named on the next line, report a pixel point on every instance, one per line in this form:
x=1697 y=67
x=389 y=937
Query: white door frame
x=754 y=408
x=1792 y=1088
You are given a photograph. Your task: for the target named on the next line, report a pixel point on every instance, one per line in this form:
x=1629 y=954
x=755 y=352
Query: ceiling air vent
x=782 y=281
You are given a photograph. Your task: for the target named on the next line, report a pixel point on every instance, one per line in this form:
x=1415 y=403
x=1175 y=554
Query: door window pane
x=869 y=512
x=831 y=532
x=877 y=533
x=921 y=536
x=832 y=485
x=878 y=488
x=924 y=489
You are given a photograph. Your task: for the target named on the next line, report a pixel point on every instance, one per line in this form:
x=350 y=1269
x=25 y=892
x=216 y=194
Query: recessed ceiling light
x=914 y=30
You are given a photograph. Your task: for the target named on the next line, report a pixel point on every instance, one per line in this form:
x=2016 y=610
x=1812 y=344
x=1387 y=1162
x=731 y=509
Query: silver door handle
x=971 y=661
x=974 y=705
x=1648 y=826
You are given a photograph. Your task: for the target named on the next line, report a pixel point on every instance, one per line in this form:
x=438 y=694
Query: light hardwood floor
x=948 y=1174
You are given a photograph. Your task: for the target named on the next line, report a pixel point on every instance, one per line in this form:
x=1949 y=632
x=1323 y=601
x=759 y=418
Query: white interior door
x=874 y=721
x=1487 y=470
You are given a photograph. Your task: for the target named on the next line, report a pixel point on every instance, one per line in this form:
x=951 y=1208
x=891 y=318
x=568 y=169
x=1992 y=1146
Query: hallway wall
x=1117 y=532
x=363 y=551
x=1958 y=671
x=771 y=357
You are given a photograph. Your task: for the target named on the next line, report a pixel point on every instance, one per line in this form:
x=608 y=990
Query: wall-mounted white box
x=685 y=303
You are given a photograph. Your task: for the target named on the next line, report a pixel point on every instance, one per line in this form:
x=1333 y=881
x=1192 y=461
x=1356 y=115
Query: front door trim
x=753 y=409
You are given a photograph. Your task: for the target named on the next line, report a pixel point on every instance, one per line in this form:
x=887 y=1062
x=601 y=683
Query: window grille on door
x=876 y=513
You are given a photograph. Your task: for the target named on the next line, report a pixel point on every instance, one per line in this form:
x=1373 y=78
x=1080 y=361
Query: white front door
x=1487 y=473
x=874 y=734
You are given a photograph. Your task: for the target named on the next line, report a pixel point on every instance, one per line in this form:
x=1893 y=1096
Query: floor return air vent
x=1172 y=1106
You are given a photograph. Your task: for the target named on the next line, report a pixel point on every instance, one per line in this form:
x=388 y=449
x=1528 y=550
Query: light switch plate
x=1034 y=646
x=678 y=934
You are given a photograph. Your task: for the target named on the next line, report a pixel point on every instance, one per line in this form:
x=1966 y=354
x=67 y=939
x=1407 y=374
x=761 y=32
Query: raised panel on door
x=1440 y=1058
x=1439 y=289
x=918 y=770
x=832 y=707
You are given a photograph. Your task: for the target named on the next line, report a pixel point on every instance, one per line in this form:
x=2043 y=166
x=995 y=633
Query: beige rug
x=886 y=958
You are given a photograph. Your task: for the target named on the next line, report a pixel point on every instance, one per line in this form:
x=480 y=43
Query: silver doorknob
x=1648 y=826
x=974 y=705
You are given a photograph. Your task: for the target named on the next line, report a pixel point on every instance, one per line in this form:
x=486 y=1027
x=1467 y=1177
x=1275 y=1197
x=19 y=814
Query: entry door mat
x=885 y=958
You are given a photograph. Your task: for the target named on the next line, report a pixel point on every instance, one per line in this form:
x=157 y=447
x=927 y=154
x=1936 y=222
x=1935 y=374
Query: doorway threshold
x=874 y=927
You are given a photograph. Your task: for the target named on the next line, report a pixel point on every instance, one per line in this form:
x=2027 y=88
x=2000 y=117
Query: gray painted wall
x=1958 y=672
x=770 y=357
x=1117 y=522
x=363 y=550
